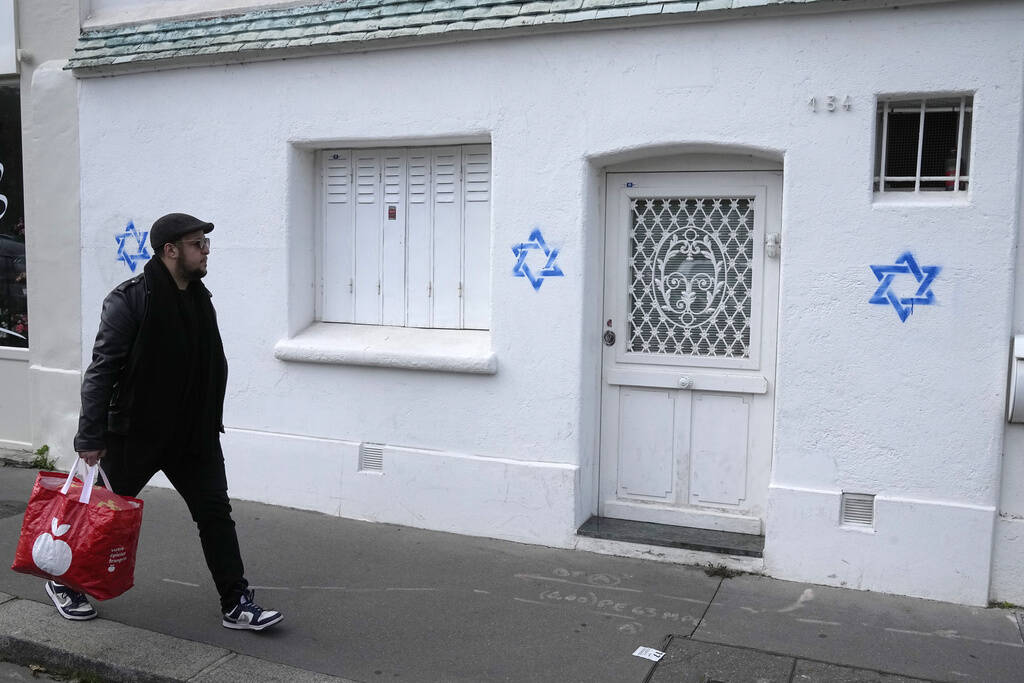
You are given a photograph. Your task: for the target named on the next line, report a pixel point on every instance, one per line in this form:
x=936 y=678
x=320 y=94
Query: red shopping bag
x=82 y=537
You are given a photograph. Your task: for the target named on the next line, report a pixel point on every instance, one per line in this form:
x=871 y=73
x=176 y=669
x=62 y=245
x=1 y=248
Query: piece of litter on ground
x=649 y=653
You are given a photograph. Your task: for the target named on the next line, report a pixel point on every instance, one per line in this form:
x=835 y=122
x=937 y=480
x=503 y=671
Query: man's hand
x=92 y=457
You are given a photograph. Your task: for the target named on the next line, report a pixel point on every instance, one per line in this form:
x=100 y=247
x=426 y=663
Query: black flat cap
x=172 y=226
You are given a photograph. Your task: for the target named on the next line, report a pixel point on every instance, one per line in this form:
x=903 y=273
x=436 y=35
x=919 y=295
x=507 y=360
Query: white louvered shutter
x=338 y=253
x=447 y=195
x=393 y=239
x=419 y=253
x=476 y=285
x=406 y=236
x=368 y=236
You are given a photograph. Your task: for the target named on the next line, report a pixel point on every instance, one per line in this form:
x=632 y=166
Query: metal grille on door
x=691 y=276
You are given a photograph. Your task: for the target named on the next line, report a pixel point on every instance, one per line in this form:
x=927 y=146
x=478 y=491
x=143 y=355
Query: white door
x=691 y=303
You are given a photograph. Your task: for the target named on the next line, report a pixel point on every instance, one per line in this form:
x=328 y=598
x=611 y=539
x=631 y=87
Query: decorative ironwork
x=691 y=270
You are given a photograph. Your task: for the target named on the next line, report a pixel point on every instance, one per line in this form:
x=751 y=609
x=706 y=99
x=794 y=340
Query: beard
x=190 y=274
x=194 y=274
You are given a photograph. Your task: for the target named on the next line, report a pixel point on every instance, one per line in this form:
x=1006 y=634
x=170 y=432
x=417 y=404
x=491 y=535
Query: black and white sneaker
x=70 y=604
x=247 y=615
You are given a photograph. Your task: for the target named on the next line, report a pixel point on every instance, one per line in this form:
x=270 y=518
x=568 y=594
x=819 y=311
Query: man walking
x=153 y=398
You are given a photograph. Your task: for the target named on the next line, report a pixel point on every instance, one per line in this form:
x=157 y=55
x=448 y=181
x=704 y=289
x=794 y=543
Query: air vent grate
x=857 y=509
x=371 y=457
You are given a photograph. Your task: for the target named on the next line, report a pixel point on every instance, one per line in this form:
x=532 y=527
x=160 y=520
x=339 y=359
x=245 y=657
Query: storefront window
x=13 y=281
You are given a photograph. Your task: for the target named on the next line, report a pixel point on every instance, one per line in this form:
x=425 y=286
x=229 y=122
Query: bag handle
x=89 y=481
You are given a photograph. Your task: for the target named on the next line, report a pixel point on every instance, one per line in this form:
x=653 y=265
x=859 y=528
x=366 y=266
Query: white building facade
x=40 y=311
x=498 y=268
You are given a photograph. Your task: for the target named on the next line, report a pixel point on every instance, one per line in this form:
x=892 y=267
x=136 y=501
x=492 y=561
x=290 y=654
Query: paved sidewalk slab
x=243 y=669
x=688 y=661
x=16 y=672
x=376 y=602
x=905 y=636
x=32 y=633
x=817 y=672
x=15 y=458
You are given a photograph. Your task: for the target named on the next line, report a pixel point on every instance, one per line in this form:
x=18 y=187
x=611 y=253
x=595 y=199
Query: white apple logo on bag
x=51 y=555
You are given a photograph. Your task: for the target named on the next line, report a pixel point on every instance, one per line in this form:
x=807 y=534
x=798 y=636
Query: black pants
x=131 y=462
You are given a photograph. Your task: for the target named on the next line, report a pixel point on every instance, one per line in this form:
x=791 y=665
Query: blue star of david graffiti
x=904 y=265
x=524 y=249
x=124 y=251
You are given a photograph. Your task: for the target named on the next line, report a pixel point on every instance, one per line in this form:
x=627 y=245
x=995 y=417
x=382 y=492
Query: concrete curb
x=33 y=633
x=16 y=458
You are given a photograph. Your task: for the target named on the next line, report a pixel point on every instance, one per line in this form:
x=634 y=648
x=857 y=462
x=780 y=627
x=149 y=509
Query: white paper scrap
x=649 y=653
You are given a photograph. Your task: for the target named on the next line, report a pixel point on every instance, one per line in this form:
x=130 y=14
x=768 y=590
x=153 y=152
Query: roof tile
x=612 y=12
x=326 y=22
x=714 y=4
x=582 y=15
x=672 y=7
x=645 y=9
x=485 y=24
x=492 y=11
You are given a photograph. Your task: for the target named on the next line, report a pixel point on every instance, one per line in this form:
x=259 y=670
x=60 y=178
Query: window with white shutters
x=406 y=236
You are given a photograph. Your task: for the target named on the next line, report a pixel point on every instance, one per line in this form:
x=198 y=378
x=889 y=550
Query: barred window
x=923 y=144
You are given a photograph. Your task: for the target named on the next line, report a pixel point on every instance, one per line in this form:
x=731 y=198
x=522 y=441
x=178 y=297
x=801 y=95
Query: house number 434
x=830 y=103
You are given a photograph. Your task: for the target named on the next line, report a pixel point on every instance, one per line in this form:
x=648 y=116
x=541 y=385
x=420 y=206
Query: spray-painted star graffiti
x=524 y=249
x=124 y=252
x=906 y=264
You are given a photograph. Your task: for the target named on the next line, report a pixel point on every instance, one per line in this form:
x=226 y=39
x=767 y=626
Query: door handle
x=609 y=338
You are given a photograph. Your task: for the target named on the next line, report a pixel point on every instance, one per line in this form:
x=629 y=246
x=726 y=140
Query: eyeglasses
x=200 y=244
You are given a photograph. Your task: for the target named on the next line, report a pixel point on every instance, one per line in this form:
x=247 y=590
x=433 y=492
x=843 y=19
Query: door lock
x=609 y=338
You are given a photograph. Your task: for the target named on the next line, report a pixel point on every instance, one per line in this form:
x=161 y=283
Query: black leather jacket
x=108 y=387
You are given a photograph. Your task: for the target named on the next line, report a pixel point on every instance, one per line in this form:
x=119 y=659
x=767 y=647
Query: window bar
x=959 y=143
x=920 y=145
x=885 y=136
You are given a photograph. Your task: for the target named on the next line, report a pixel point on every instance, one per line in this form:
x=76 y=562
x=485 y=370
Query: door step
x=669 y=536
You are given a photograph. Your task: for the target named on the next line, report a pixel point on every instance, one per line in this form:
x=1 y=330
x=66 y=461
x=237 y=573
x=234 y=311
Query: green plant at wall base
x=1002 y=604
x=721 y=571
x=43 y=460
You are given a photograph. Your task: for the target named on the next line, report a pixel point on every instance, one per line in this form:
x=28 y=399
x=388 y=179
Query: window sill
x=408 y=348
x=905 y=199
x=13 y=353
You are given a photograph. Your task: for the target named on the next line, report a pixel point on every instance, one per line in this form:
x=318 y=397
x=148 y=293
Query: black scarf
x=183 y=372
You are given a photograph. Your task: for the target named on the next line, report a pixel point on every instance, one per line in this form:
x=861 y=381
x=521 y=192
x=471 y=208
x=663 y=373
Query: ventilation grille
x=445 y=178
x=393 y=172
x=857 y=509
x=367 y=176
x=478 y=176
x=338 y=178
x=419 y=178
x=371 y=457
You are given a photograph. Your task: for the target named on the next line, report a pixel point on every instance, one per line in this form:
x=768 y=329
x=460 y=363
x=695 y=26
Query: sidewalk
x=371 y=602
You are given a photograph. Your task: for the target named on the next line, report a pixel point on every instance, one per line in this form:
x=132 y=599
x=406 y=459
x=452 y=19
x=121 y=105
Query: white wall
x=863 y=400
x=39 y=404
x=49 y=94
x=15 y=427
x=1008 y=554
